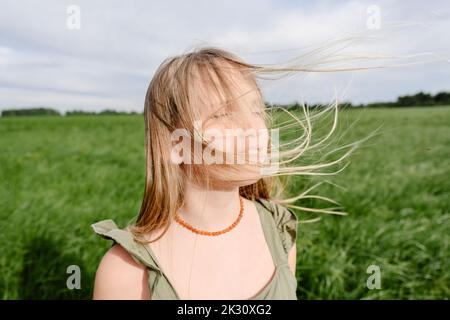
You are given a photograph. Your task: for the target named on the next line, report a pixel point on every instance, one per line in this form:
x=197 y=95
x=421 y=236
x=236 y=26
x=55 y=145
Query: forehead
x=222 y=86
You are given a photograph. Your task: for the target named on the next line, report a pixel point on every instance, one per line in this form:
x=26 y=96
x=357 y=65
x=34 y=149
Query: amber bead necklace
x=212 y=233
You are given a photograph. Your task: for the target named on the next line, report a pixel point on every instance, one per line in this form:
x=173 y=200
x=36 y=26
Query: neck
x=209 y=210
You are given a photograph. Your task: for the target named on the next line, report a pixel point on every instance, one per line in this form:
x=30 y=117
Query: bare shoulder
x=120 y=277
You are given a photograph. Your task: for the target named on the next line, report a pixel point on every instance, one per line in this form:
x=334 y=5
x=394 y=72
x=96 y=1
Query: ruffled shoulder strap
x=108 y=229
x=285 y=220
x=159 y=285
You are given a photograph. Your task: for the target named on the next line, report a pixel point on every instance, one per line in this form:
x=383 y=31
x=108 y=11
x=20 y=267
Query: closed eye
x=259 y=113
x=221 y=115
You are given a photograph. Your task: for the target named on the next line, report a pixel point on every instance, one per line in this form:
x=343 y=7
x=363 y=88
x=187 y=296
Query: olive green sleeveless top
x=280 y=230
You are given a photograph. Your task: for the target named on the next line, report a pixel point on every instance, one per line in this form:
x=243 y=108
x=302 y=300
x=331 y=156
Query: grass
x=60 y=174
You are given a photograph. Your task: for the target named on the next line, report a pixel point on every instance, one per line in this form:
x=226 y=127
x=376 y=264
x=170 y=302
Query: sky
x=95 y=55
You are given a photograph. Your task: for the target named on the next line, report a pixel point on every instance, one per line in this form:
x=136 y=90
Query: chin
x=248 y=179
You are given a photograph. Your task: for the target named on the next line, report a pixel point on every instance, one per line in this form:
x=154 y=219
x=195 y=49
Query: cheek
x=216 y=135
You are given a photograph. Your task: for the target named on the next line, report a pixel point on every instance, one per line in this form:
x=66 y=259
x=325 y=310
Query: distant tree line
x=30 y=112
x=53 y=112
x=420 y=99
x=103 y=112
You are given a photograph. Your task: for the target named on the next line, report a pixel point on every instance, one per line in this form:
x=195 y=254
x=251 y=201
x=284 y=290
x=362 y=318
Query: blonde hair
x=170 y=104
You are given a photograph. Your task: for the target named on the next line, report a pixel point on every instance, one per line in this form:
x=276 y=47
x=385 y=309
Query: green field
x=60 y=174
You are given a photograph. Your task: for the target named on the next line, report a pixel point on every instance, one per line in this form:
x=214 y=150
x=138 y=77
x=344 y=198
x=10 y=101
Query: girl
x=208 y=229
